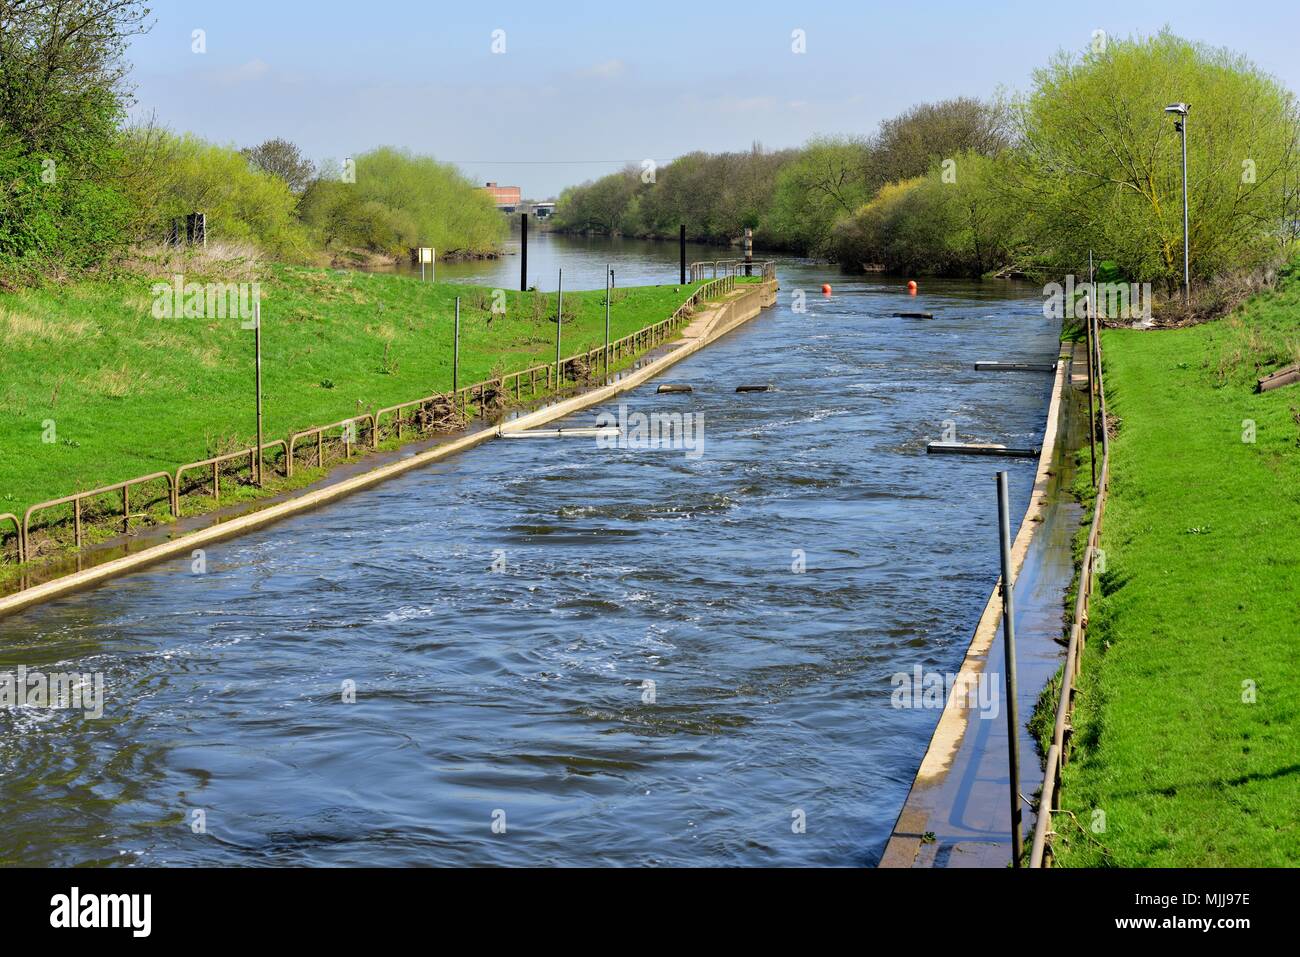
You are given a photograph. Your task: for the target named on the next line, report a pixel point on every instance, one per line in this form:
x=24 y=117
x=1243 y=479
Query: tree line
x=1086 y=159
x=80 y=187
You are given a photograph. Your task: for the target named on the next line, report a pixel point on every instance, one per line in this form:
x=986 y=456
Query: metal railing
x=217 y=461
x=1059 y=752
x=352 y=427
x=349 y=434
x=18 y=533
x=765 y=268
x=76 y=499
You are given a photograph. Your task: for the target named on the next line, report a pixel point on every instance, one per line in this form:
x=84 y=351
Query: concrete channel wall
x=710 y=324
x=957 y=810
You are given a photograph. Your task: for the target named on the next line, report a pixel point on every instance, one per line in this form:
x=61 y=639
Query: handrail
x=320 y=430
x=648 y=335
x=1062 y=732
x=18 y=534
x=76 y=499
x=218 y=460
x=765 y=268
x=1049 y=792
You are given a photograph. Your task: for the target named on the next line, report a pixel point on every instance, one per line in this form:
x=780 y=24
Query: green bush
x=187 y=174
x=399 y=201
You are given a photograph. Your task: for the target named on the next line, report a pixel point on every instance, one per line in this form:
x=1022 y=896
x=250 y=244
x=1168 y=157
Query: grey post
x=559 y=321
x=455 y=356
x=1180 y=110
x=1009 y=652
x=1187 y=258
x=257 y=350
x=608 y=272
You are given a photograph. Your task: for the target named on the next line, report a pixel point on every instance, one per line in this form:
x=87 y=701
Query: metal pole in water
x=455 y=355
x=681 y=247
x=559 y=321
x=608 y=292
x=523 y=252
x=1009 y=652
x=257 y=350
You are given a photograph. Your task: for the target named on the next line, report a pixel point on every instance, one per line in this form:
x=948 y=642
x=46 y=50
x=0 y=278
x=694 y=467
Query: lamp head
x=1179 y=108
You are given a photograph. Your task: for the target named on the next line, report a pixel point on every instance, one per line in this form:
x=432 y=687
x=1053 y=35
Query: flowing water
x=565 y=654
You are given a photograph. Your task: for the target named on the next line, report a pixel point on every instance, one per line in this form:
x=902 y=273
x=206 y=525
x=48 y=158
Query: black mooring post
x=681 y=246
x=523 y=252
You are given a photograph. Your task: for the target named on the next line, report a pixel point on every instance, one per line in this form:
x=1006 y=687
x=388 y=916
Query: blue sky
x=583 y=88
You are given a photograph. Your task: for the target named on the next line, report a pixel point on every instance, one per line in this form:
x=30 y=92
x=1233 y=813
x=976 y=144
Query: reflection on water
x=524 y=694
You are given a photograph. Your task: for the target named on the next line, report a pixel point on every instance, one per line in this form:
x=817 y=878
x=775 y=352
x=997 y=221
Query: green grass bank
x=1185 y=748
x=123 y=393
x=99 y=388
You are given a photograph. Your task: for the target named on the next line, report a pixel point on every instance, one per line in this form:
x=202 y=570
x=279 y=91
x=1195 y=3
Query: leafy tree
x=399 y=201
x=62 y=97
x=828 y=179
x=281 y=158
x=187 y=174
x=1100 y=162
x=910 y=143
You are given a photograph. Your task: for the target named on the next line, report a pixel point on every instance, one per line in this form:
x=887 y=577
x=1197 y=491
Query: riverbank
x=712 y=322
x=1184 y=722
x=99 y=390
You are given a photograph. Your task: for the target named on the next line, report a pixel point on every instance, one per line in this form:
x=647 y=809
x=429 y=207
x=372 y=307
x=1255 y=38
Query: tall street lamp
x=1180 y=124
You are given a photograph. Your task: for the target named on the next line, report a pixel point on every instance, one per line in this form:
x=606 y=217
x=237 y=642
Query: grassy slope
x=1201 y=594
x=130 y=394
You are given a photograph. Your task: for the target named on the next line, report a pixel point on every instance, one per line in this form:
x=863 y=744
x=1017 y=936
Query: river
x=502 y=615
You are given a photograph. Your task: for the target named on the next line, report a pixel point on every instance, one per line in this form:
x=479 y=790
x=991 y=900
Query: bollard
x=1009 y=652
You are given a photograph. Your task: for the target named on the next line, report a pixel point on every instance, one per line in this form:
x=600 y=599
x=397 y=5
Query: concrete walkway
x=958 y=812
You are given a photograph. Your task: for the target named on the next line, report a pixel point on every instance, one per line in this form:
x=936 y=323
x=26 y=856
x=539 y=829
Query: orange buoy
x=826 y=289
x=911 y=286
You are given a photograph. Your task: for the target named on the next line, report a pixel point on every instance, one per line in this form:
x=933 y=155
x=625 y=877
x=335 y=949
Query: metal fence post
x=1009 y=652
x=455 y=354
x=608 y=273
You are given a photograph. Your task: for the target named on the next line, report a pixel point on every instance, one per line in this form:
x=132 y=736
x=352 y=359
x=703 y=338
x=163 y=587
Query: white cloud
x=607 y=69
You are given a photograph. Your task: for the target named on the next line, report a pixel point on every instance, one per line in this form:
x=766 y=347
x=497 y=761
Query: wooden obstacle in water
x=1275 y=380
x=754 y=388
x=913 y=315
x=1015 y=367
x=979 y=448
x=672 y=388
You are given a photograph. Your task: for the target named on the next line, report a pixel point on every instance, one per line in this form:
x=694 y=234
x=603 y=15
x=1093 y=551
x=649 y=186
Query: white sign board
x=426 y=254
